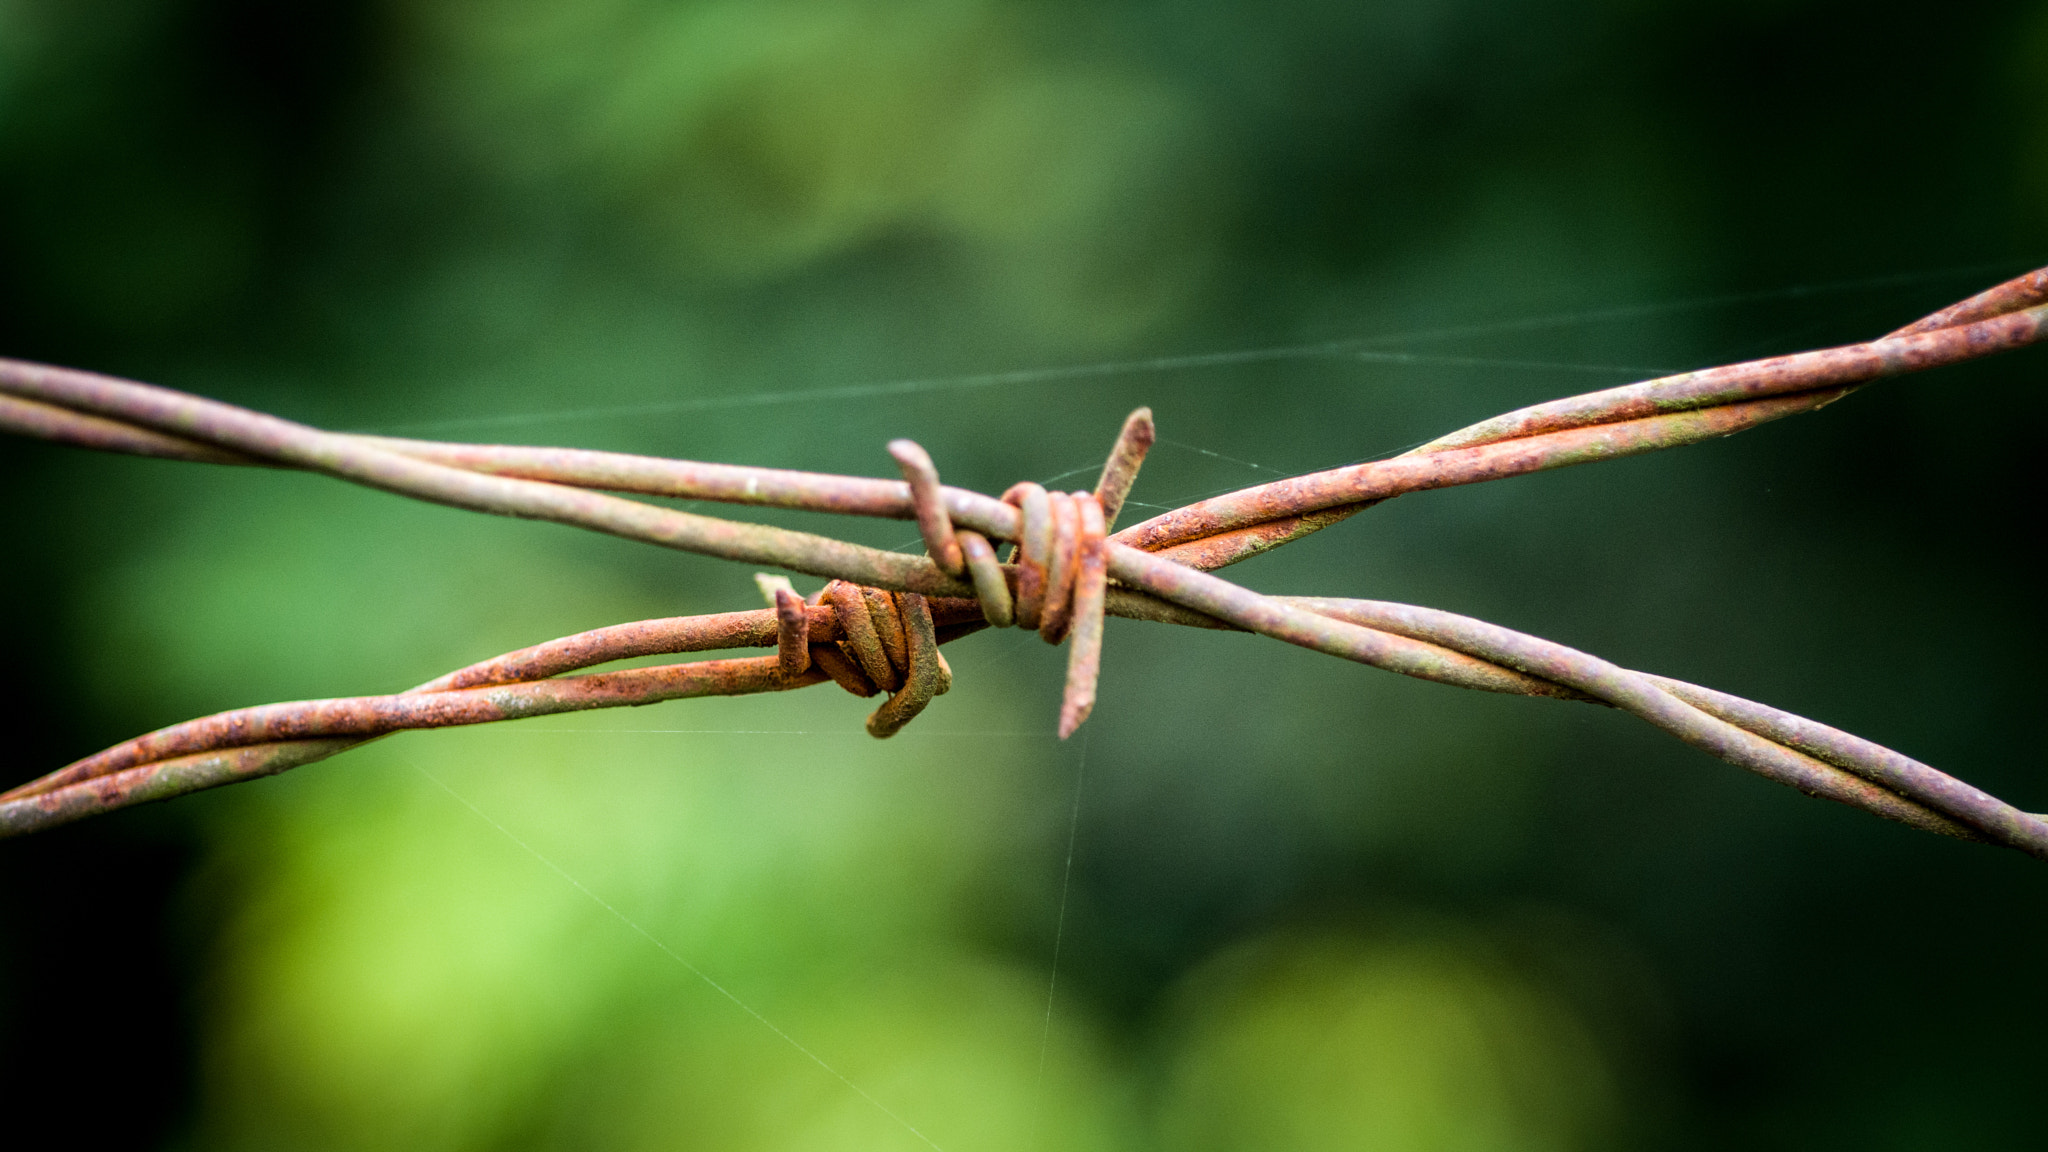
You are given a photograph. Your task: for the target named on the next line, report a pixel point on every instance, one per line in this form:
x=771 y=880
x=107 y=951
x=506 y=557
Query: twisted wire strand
x=878 y=625
x=1778 y=745
x=1608 y=424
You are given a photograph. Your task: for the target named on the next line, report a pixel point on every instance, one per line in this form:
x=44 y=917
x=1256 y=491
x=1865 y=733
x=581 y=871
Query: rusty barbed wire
x=876 y=628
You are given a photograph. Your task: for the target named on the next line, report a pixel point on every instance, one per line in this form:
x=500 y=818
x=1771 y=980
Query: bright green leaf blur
x=1419 y=1043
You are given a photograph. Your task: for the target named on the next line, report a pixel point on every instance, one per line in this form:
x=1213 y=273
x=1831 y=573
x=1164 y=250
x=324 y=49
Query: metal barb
x=1120 y=471
x=792 y=632
x=933 y=522
x=1084 y=659
x=991 y=589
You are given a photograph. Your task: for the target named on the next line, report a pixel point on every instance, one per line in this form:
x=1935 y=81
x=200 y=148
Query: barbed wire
x=877 y=627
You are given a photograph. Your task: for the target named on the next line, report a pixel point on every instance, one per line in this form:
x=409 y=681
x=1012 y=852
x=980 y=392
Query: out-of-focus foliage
x=749 y=140
x=1294 y=904
x=2029 y=62
x=1414 y=1044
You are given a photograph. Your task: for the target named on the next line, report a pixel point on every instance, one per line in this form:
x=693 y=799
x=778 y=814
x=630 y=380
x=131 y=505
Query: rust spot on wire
x=792 y=633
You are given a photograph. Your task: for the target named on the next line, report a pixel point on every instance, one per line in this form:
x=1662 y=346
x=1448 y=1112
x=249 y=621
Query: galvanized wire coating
x=877 y=627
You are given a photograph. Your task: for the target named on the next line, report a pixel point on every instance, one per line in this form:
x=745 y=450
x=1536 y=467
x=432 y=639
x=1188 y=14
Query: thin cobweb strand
x=1059 y=931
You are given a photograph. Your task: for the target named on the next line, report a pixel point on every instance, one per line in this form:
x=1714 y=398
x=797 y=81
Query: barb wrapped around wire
x=877 y=626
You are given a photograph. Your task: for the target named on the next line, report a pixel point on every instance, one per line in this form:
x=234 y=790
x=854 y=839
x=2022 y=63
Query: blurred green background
x=1295 y=904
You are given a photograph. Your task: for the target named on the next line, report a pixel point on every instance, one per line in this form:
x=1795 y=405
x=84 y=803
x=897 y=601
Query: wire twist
x=1055 y=585
x=878 y=625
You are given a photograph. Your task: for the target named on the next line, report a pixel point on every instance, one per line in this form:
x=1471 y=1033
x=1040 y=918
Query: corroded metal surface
x=1449 y=467
x=374 y=715
x=1120 y=471
x=878 y=625
x=1056 y=616
x=159 y=780
x=863 y=643
x=1813 y=758
x=1091 y=581
x=1228 y=547
x=351 y=458
x=792 y=633
x=922 y=679
x=2022 y=291
x=991 y=587
x=928 y=505
x=1033 y=544
x=832 y=660
x=675 y=634
x=886 y=611
x=1629 y=420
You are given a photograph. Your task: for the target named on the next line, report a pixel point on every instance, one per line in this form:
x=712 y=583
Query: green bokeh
x=1295 y=904
x=1419 y=1043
